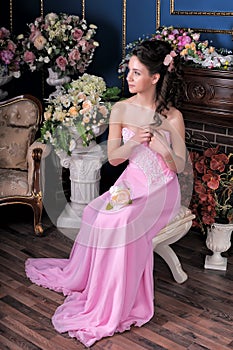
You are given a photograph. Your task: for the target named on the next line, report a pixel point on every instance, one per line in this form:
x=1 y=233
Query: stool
x=171 y=233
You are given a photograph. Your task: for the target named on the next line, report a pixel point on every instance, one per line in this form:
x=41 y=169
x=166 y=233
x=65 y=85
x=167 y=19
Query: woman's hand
x=142 y=135
x=159 y=143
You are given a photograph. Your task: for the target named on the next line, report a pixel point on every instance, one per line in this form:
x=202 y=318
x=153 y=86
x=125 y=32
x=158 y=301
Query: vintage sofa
x=20 y=154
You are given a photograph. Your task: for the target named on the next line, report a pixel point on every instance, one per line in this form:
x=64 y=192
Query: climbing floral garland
x=188 y=45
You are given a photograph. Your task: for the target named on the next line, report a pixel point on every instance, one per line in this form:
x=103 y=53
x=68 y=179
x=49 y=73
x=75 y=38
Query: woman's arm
x=118 y=152
x=174 y=155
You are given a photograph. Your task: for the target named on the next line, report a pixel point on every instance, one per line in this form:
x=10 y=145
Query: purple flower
x=6 y=56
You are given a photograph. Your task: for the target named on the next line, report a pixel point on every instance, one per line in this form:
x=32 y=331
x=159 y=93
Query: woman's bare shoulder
x=120 y=107
x=123 y=103
x=174 y=115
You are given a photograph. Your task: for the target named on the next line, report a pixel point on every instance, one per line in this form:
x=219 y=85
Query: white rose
x=120 y=197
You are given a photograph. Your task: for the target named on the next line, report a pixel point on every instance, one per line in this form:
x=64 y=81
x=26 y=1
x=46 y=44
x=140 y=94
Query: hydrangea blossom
x=77 y=106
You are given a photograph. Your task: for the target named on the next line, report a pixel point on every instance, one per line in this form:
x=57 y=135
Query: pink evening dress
x=108 y=277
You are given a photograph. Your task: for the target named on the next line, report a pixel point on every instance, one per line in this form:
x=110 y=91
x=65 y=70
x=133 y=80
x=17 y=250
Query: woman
x=108 y=278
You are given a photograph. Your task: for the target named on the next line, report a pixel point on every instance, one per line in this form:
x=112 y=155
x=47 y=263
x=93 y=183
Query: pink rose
x=103 y=110
x=171 y=37
x=34 y=34
x=40 y=42
x=4 y=33
x=62 y=63
x=73 y=111
x=167 y=60
x=74 y=56
x=11 y=46
x=77 y=34
x=29 y=57
x=51 y=18
x=83 y=44
x=86 y=107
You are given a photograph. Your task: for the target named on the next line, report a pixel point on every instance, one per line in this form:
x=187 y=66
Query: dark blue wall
x=141 y=19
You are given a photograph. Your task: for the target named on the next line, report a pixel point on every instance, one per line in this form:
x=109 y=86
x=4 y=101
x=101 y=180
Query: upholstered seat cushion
x=14 y=143
x=13 y=182
x=18 y=125
x=184 y=215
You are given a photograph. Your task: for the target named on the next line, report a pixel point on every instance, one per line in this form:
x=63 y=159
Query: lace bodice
x=148 y=161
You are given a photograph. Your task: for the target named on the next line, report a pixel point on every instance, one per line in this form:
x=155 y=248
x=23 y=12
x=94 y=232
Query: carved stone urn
x=4 y=80
x=218 y=241
x=56 y=79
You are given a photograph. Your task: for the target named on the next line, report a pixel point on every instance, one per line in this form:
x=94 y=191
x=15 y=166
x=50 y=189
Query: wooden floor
x=195 y=315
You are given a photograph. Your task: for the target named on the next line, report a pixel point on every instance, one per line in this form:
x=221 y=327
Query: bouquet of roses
x=9 y=57
x=62 y=42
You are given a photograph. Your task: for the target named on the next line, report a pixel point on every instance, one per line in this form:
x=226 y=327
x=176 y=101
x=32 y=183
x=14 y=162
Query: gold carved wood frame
x=41 y=11
x=83 y=8
x=175 y=12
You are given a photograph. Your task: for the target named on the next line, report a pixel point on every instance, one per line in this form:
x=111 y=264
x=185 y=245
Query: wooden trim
x=208 y=96
x=193 y=13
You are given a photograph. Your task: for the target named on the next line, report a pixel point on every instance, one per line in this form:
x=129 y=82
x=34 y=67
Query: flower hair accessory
x=168 y=60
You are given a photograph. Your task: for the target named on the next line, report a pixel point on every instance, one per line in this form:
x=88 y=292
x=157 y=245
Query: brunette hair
x=169 y=88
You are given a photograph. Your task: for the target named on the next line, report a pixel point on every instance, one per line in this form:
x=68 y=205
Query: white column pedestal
x=84 y=164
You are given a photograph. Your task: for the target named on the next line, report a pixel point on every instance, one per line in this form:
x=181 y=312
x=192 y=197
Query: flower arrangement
x=62 y=42
x=188 y=45
x=119 y=197
x=9 y=57
x=79 y=105
x=212 y=200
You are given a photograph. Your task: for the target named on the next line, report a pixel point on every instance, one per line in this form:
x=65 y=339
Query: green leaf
x=109 y=206
x=111 y=94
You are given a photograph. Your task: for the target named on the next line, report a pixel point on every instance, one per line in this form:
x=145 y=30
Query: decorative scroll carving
x=208 y=96
x=199 y=91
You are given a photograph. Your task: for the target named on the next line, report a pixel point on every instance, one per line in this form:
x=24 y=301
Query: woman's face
x=138 y=78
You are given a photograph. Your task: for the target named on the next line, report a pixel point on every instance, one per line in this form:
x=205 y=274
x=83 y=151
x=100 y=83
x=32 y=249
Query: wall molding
x=123 y=37
x=83 y=8
x=42 y=8
x=174 y=12
x=197 y=13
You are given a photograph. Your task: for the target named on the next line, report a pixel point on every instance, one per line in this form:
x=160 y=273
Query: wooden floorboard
x=197 y=314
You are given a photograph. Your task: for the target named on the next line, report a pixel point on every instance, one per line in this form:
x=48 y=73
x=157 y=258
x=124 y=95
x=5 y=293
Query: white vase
x=218 y=240
x=4 y=80
x=56 y=79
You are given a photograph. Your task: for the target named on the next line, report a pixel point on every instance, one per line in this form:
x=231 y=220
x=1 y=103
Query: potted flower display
x=63 y=43
x=74 y=116
x=9 y=59
x=78 y=108
x=212 y=201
